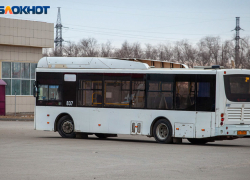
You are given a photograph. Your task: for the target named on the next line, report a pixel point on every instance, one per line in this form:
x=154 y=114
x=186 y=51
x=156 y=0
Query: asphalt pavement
x=29 y=154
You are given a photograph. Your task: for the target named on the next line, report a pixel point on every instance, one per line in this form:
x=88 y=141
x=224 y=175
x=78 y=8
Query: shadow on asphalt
x=154 y=142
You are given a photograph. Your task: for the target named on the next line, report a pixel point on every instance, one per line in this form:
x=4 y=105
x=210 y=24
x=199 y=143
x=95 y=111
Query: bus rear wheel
x=65 y=127
x=197 y=141
x=162 y=131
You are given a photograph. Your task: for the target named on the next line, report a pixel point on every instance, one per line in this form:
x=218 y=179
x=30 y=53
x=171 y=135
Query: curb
x=15 y=119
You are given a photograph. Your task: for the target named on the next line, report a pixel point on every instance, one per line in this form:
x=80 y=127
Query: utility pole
x=237 y=41
x=58 y=41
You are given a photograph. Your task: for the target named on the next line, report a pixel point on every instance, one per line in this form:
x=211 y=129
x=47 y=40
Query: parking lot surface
x=29 y=154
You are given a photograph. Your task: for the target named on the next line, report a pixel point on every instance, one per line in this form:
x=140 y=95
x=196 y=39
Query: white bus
x=106 y=97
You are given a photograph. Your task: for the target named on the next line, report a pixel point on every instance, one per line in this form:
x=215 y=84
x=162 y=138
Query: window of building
x=6 y=70
x=19 y=77
x=16 y=70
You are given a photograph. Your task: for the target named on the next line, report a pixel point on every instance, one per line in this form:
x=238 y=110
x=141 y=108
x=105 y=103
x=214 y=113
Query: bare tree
x=88 y=47
x=126 y=51
x=150 y=52
x=209 y=50
x=202 y=57
x=168 y=53
x=45 y=52
x=70 y=50
x=227 y=53
x=244 y=49
x=137 y=50
x=188 y=53
x=248 y=59
x=106 y=49
x=178 y=52
x=161 y=52
x=214 y=47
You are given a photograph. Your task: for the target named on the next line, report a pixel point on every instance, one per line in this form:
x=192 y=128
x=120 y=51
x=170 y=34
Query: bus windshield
x=237 y=87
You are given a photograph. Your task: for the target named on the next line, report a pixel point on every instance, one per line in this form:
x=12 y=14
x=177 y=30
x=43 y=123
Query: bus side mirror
x=35 y=91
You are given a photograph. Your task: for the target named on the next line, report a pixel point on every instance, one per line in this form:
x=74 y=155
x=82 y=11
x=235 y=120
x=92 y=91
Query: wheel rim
x=67 y=126
x=162 y=131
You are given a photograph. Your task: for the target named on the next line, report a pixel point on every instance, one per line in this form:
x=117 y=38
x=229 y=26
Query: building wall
x=20 y=54
x=22 y=41
x=26 y=33
x=23 y=104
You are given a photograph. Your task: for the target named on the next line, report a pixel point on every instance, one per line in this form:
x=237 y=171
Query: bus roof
x=111 y=65
x=103 y=63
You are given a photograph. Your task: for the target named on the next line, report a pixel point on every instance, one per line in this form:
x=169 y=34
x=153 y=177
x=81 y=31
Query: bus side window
x=54 y=92
x=90 y=93
x=49 y=95
x=160 y=95
x=184 y=95
x=138 y=94
x=205 y=97
x=43 y=92
x=116 y=93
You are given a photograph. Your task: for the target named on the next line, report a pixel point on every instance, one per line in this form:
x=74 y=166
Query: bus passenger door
x=69 y=90
x=203 y=124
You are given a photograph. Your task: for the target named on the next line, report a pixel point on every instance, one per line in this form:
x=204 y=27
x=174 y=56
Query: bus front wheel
x=163 y=131
x=65 y=127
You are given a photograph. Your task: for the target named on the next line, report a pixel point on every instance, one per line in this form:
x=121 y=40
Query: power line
x=123 y=35
x=136 y=36
x=140 y=31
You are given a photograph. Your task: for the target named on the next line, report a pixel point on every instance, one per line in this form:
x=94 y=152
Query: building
x=21 y=44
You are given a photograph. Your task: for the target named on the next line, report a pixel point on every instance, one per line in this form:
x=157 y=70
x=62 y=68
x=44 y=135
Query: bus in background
x=106 y=97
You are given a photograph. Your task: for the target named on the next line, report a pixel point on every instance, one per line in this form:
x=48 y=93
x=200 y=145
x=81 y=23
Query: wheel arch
x=155 y=120
x=59 y=117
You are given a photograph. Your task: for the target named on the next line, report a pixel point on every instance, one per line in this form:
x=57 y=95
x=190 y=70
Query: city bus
x=106 y=97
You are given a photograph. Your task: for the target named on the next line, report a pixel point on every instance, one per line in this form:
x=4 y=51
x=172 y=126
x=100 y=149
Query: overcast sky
x=144 y=21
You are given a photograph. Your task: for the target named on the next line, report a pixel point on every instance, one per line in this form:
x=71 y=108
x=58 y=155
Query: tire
x=65 y=127
x=162 y=131
x=101 y=136
x=197 y=141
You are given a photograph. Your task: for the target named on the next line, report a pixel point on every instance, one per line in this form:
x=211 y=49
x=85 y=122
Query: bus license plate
x=242 y=133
